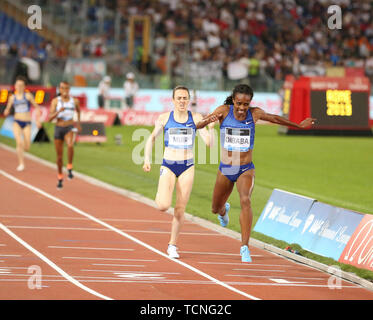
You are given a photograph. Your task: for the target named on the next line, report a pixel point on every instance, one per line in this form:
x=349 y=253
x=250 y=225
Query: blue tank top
x=237 y=135
x=21 y=105
x=179 y=135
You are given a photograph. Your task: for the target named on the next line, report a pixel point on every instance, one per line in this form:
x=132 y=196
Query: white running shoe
x=21 y=167
x=172 y=252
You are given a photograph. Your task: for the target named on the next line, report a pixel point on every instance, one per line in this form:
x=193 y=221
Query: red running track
x=88 y=242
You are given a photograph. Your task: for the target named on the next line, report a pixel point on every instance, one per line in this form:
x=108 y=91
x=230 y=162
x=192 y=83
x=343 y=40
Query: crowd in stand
x=248 y=38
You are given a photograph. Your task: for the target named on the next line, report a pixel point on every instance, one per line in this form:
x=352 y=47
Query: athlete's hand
x=6 y=112
x=39 y=124
x=307 y=122
x=61 y=110
x=146 y=167
x=79 y=127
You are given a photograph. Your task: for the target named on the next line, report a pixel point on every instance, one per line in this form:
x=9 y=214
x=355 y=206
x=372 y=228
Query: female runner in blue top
x=178 y=166
x=237 y=132
x=22 y=101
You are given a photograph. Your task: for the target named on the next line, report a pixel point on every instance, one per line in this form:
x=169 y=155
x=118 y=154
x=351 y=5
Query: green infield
x=334 y=170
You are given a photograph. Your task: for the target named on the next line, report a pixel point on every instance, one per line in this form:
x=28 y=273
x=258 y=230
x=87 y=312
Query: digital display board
x=339 y=104
x=340 y=109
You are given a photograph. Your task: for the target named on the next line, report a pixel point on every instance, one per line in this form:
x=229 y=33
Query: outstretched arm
x=217 y=115
x=262 y=115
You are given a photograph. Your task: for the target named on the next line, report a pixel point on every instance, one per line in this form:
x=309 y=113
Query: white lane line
x=127 y=271
x=283 y=281
x=265 y=265
x=2 y=245
x=114 y=259
x=231 y=263
x=256 y=276
x=50 y=263
x=119 y=265
x=57 y=228
x=78 y=218
x=126 y=235
x=124 y=230
x=85 y=219
x=10 y=255
x=177 y=282
x=89 y=248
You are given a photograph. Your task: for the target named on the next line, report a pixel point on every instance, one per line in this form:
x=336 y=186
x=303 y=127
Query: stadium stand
x=231 y=39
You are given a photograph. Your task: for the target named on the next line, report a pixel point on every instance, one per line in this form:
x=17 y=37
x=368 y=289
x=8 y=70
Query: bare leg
x=184 y=186
x=69 y=139
x=59 y=151
x=245 y=186
x=20 y=145
x=165 y=190
x=222 y=190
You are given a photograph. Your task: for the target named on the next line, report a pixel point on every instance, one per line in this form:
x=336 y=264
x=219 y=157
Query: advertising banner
x=285 y=216
x=359 y=249
x=154 y=100
x=328 y=229
x=315 y=226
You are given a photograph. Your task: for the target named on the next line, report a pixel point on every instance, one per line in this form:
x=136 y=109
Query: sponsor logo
x=308 y=222
x=359 y=250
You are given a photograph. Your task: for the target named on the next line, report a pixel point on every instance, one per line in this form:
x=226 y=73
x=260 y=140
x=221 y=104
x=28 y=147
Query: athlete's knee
x=245 y=202
x=179 y=212
x=163 y=206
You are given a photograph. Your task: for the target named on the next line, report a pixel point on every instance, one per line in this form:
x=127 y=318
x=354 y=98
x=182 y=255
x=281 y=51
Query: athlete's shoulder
x=55 y=100
x=163 y=118
x=256 y=110
x=196 y=116
x=222 y=109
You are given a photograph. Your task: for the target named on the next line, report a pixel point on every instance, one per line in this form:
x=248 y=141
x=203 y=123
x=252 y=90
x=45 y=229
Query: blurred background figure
x=130 y=89
x=103 y=89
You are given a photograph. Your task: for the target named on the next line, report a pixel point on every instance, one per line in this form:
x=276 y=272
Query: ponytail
x=229 y=100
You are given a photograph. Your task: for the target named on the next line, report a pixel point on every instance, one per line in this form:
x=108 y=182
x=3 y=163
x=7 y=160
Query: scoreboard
x=339 y=104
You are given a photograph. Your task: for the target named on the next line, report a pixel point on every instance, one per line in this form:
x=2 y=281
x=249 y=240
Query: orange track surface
x=121 y=255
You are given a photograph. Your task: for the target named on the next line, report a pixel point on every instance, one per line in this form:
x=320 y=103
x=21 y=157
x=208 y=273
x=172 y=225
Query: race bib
x=180 y=138
x=237 y=139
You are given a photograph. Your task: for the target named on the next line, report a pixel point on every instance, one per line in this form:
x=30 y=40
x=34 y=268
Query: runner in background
x=22 y=101
x=237 y=132
x=63 y=108
x=178 y=160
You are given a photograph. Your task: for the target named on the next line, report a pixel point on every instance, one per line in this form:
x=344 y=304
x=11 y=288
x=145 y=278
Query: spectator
x=131 y=88
x=103 y=91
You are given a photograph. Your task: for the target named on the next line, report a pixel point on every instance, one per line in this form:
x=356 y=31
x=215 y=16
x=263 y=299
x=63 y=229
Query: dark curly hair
x=240 y=88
